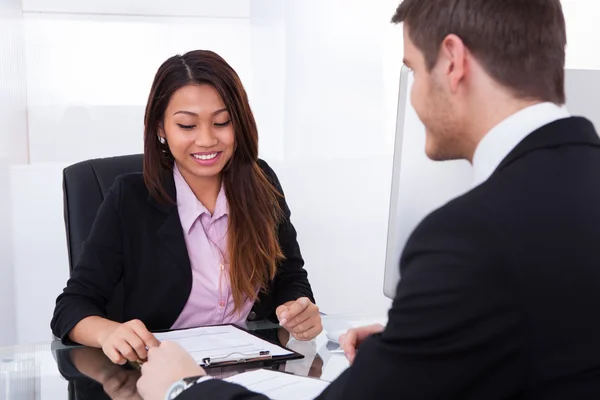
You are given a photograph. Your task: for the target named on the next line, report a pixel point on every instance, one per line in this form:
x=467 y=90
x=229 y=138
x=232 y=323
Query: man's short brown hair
x=520 y=43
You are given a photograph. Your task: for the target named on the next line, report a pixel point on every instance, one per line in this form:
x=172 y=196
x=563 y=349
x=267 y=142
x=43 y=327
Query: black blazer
x=140 y=241
x=500 y=289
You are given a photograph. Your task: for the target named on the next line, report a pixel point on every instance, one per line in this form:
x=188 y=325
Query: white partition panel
x=13 y=147
x=41 y=265
x=343 y=61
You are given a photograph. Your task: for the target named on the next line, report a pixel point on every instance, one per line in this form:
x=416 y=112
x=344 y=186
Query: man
x=500 y=289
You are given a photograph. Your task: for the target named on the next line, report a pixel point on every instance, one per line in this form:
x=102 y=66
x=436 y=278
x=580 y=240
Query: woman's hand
x=128 y=341
x=301 y=318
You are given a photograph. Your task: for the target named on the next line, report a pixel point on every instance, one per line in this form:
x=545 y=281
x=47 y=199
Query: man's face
x=433 y=102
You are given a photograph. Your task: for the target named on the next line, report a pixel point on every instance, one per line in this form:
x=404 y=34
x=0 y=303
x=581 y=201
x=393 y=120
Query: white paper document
x=221 y=343
x=280 y=386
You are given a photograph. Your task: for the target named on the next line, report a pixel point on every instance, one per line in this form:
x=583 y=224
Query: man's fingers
x=349 y=347
x=351 y=357
x=350 y=354
x=349 y=342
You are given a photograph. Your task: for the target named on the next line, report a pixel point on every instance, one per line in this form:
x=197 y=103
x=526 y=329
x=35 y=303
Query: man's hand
x=301 y=318
x=166 y=364
x=351 y=340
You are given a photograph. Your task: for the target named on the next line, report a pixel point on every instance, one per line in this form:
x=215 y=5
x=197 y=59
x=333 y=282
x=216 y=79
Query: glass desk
x=53 y=371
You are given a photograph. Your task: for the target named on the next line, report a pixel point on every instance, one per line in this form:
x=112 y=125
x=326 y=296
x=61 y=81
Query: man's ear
x=453 y=52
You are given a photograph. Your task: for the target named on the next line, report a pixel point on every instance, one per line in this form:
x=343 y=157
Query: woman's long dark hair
x=254 y=210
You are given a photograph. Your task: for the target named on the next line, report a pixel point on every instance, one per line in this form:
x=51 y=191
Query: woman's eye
x=223 y=123
x=186 y=126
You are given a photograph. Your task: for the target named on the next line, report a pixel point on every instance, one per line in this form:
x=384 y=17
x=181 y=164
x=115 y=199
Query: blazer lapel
x=567 y=131
x=170 y=232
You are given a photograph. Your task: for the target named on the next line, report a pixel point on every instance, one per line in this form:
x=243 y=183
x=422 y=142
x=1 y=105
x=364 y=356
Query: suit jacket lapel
x=574 y=130
x=170 y=232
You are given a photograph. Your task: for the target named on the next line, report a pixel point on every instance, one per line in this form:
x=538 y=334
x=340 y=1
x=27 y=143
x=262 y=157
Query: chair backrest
x=84 y=187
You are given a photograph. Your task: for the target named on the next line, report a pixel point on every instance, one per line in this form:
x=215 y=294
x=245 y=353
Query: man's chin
x=437 y=154
x=433 y=152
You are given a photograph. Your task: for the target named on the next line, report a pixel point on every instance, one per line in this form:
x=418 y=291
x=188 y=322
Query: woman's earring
x=161 y=140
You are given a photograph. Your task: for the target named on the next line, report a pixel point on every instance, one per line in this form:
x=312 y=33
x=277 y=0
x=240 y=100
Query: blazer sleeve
x=221 y=390
x=454 y=330
x=93 y=280
x=291 y=281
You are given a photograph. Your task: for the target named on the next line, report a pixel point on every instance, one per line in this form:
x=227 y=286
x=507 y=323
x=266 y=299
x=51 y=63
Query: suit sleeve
x=453 y=331
x=291 y=281
x=217 y=389
x=93 y=280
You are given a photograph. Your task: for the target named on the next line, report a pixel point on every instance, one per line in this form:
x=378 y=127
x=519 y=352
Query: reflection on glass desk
x=53 y=371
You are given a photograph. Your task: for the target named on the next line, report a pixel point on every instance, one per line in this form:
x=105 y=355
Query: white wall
x=583 y=47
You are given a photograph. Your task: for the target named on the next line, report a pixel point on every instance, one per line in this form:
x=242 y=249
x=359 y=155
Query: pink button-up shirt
x=210 y=300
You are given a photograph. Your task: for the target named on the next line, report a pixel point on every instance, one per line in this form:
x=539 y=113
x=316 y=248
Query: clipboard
x=233 y=357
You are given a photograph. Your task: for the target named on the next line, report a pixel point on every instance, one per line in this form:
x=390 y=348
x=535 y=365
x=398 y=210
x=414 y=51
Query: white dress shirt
x=504 y=137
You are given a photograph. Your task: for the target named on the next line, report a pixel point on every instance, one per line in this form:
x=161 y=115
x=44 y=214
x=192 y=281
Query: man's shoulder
x=471 y=208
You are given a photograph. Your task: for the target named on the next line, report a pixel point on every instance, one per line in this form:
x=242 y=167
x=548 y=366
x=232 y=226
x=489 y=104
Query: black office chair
x=84 y=187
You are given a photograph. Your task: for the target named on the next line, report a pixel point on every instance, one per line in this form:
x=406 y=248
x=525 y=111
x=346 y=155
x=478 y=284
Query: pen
x=237 y=358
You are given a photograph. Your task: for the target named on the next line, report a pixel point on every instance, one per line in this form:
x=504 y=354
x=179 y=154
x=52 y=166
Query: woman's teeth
x=205 y=156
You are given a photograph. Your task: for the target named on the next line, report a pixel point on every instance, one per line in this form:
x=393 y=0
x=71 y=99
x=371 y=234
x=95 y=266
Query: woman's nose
x=204 y=137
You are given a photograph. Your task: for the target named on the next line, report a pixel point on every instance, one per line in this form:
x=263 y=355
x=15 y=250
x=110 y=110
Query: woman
x=203 y=237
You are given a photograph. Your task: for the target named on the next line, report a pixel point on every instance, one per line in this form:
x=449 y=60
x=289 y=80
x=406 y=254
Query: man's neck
x=490 y=113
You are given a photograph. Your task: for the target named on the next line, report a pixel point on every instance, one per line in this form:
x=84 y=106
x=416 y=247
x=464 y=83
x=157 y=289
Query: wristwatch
x=178 y=387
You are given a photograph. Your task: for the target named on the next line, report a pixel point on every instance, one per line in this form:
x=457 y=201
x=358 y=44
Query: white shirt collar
x=505 y=136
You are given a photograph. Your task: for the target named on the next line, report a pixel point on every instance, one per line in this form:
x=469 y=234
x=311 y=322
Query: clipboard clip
x=236 y=358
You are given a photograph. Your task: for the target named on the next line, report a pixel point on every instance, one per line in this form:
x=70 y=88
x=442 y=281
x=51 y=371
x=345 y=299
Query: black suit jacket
x=140 y=241
x=500 y=289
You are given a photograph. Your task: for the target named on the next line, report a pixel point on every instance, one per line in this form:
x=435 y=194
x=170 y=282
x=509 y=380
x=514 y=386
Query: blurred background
x=322 y=77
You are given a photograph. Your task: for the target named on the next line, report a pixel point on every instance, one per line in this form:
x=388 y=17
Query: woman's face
x=199 y=131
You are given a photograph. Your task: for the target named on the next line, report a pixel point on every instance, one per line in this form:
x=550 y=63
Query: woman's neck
x=206 y=189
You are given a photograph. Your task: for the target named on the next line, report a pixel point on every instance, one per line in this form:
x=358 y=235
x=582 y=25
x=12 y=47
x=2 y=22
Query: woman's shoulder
x=266 y=168
x=130 y=187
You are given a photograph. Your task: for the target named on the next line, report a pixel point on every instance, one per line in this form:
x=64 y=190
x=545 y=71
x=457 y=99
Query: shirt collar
x=505 y=136
x=188 y=205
